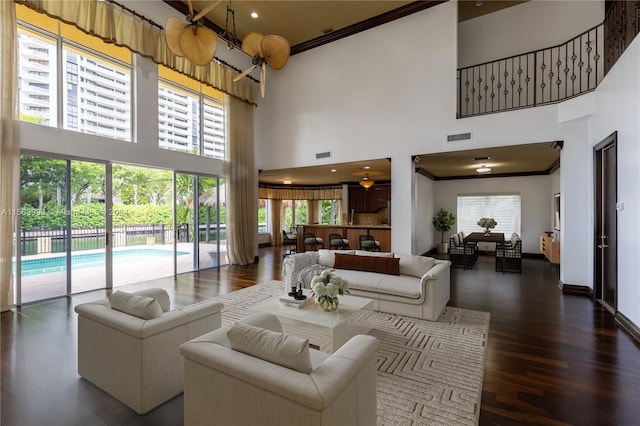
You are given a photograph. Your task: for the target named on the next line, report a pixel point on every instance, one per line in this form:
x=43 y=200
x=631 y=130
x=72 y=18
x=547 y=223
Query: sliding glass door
x=200 y=236
x=142 y=224
x=87 y=225
x=43 y=229
x=88 y=228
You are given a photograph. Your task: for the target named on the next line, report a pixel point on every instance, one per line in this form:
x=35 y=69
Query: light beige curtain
x=9 y=149
x=276 y=221
x=242 y=198
x=115 y=25
x=289 y=193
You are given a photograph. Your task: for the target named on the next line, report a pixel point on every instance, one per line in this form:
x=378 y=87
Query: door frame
x=598 y=293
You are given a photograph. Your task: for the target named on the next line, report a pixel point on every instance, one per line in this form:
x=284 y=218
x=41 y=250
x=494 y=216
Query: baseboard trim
x=629 y=326
x=575 y=290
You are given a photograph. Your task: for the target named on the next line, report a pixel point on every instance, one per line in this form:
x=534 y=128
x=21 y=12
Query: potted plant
x=443 y=221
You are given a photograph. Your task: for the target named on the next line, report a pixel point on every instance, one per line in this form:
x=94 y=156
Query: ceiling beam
x=384 y=18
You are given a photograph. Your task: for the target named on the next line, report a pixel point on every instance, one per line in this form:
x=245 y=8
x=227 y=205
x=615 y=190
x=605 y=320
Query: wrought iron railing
x=54 y=240
x=553 y=74
x=535 y=78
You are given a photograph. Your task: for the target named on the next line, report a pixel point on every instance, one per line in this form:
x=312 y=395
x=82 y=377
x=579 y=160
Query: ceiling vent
x=459 y=137
x=323 y=155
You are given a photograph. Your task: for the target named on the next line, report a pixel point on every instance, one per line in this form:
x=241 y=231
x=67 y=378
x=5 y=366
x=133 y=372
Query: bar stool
x=337 y=242
x=367 y=242
x=289 y=242
x=310 y=239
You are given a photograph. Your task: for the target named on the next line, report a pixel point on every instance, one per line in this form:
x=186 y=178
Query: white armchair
x=137 y=360
x=236 y=388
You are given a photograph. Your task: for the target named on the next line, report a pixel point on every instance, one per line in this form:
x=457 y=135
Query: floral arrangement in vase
x=326 y=287
x=488 y=223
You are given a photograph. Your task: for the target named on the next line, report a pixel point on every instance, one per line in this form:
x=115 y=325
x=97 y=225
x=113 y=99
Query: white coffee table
x=326 y=331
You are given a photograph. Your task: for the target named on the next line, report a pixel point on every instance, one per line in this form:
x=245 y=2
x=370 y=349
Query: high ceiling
x=310 y=23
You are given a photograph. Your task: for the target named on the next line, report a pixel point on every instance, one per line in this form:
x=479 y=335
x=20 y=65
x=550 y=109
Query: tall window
x=263 y=215
x=504 y=208
x=330 y=211
x=96 y=78
x=190 y=116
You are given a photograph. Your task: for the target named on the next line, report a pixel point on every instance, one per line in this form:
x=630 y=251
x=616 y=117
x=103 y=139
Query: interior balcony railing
x=549 y=75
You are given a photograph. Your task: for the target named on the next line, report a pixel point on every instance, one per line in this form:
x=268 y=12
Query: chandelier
x=366 y=182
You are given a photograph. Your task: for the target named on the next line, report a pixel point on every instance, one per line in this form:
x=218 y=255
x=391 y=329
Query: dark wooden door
x=606 y=285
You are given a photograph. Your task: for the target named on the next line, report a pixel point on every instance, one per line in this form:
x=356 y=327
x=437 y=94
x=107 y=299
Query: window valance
x=114 y=24
x=293 y=193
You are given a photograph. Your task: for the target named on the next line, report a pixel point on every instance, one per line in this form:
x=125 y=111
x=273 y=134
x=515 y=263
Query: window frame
x=462 y=225
x=62 y=43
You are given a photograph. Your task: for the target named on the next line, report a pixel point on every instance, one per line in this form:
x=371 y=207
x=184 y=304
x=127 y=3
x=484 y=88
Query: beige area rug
x=429 y=372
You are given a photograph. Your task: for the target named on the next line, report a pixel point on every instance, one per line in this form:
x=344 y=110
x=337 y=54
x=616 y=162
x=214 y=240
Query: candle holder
x=299 y=295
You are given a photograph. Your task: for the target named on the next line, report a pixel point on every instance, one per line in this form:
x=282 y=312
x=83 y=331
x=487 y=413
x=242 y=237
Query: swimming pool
x=90 y=260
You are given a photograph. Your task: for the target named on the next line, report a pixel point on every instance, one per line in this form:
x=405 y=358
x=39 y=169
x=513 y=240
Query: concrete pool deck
x=125 y=271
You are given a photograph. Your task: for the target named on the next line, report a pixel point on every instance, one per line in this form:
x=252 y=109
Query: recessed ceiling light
x=287 y=181
x=254 y=15
x=366 y=167
x=333 y=170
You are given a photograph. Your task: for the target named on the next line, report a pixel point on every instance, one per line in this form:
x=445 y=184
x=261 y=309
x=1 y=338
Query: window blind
x=504 y=208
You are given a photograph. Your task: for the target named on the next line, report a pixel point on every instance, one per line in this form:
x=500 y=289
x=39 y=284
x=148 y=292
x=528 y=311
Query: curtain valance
x=325 y=193
x=113 y=24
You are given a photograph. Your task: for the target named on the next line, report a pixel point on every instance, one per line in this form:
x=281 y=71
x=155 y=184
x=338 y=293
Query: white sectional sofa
x=421 y=289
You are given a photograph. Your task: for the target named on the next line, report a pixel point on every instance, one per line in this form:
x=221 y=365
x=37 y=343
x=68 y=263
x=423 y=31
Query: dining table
x=482 y=237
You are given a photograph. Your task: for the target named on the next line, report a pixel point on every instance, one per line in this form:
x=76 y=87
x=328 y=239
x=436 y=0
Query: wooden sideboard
x=550 y=248
x=381 y=233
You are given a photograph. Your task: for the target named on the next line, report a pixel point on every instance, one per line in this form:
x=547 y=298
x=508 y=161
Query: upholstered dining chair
x=367 y=242
x=462 y=255
x=511 y=253
x=337 y=242
x=289 y=243
x=311 y=240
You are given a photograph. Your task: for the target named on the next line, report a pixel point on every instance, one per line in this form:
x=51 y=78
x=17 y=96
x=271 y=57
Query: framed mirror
x=556 y=211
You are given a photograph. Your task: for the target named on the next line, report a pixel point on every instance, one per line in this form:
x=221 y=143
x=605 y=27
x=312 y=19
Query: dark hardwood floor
x=551 y=359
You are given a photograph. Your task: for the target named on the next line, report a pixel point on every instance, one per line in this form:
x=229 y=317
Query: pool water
x=90 y=260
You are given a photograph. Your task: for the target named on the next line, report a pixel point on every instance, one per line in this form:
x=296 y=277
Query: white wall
x=533 y=25
x=386 y=92
x=618 y=109
x=423 y=210
x=536 y=198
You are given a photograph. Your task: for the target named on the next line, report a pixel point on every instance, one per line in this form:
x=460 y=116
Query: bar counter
x=381 y=233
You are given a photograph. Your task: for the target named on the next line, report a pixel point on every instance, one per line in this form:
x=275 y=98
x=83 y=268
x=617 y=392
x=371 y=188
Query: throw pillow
x=374 y=253
x=278 y=348
x=326 y=256
x=415 y=266
x=381 y=265
x=136 y=305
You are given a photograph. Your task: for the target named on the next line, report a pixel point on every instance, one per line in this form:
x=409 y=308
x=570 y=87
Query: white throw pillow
x=415 y=266
x=373 y=253
x=133 y=304
x=278 y=348
x=327 y=257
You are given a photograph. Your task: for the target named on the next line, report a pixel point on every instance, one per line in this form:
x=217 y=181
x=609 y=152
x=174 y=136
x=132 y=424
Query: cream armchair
x=137 y=360
x=230 y=387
